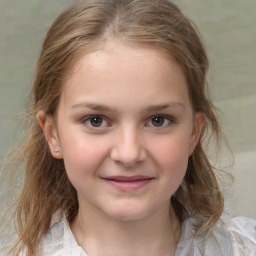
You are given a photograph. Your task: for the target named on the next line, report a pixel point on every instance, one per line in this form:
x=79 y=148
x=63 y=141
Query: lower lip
x=128 y=185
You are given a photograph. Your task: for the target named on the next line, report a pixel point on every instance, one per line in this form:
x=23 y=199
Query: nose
x=128 y=149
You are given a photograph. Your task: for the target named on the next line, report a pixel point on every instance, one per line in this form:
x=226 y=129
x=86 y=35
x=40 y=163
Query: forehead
x=119 y=70
x=99 y=55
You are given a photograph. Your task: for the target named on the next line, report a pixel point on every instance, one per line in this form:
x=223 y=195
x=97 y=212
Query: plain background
x=228 y=30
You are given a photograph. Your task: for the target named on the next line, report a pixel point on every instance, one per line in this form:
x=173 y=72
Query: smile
x=125 y=183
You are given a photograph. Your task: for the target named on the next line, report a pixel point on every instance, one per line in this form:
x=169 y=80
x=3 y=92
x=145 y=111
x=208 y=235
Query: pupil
x=96 y=121
x=158 y=121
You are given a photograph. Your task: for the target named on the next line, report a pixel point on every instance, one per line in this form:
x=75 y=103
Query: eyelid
x=87 y=118
x=171 y=120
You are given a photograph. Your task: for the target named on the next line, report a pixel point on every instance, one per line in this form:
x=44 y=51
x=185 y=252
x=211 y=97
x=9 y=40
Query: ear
x=199 y=120
x=48 y=126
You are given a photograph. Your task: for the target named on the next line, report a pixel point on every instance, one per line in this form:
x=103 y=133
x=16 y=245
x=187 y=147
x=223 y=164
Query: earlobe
x=197 y=130
x=47 y=125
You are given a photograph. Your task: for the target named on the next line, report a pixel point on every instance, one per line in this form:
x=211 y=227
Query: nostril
x=128 y=158
x=128 y=164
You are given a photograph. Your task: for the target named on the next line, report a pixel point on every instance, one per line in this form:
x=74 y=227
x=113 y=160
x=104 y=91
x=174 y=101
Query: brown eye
x=158 y=121
x=96 y=121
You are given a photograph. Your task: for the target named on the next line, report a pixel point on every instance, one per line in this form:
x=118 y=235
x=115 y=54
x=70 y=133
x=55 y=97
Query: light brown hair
x=156 y=23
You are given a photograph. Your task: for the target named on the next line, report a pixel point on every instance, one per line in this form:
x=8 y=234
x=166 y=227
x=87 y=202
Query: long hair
x=155 y=23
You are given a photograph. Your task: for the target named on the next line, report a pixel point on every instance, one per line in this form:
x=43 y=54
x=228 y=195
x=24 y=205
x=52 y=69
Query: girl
x=114 y=153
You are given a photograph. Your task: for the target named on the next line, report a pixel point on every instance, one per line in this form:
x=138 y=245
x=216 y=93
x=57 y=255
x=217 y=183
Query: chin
x=127 y=214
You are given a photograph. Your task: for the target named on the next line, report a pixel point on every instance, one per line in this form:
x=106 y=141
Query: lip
x=128 y=183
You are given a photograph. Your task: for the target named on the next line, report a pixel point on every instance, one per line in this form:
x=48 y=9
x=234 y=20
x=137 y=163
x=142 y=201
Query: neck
x=157 y=234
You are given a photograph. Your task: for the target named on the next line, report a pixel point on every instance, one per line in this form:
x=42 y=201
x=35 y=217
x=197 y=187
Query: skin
x=146 y=127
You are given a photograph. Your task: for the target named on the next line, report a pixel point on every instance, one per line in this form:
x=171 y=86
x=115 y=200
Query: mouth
x=128 y=183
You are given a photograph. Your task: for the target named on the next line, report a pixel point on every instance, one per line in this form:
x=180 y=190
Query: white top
x=231 y=237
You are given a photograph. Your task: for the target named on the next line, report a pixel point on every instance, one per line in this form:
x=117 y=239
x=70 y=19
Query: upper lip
x=127 y=178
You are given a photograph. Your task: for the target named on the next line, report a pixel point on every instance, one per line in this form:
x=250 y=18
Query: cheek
x=82 y=162
x=171 y=156
x=83 y=154
x=172 y=150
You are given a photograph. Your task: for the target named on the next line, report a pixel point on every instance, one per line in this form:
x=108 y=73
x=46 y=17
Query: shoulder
x=229 y=237
x=236 y=235
x=54 y=239
x=243 y=234
x=59 y=241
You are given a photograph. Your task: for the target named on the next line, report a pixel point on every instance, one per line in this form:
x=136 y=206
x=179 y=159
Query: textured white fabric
x=231 y=237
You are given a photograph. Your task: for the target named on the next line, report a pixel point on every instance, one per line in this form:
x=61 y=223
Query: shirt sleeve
x=243 y=233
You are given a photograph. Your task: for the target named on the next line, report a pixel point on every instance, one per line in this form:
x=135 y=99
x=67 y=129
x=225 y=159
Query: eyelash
x=169 y=119
x=90 y=118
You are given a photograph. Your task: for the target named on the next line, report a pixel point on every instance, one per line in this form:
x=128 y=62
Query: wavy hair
x=155 y=23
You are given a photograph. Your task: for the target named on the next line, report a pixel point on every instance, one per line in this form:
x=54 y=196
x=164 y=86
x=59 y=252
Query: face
x=125 y=129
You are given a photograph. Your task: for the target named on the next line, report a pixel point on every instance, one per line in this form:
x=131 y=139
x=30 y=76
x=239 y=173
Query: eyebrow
x=93 y=106
x=165 y=106
x=102 y=107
